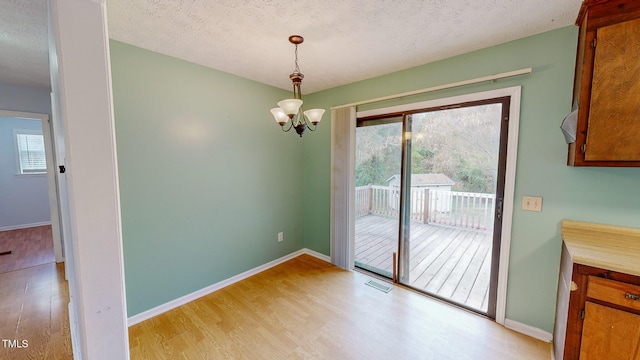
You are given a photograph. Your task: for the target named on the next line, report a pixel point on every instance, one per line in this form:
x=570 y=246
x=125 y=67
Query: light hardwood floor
x=29 y=247
x=33 y=307
x=309 y=309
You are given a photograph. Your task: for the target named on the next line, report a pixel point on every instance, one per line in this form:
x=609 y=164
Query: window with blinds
x=31 y=155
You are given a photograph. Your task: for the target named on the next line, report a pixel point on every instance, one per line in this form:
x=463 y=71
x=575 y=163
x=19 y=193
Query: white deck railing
x=455 y=208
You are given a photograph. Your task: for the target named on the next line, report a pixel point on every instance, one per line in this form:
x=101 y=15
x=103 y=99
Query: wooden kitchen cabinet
x=601 y=321
x=598 y=304
x=607 y=84
x=609 y=333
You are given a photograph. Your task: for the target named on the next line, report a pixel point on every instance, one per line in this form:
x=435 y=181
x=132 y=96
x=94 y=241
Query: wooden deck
x=451 y=262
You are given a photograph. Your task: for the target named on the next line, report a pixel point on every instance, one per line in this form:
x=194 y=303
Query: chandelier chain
x=297 y=69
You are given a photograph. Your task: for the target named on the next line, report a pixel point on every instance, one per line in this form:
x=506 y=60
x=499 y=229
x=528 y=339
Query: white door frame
x=58 y=249
x=510 y=175
x=80 y=71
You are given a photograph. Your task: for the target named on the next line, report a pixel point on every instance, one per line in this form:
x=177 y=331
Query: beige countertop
x=609 y=247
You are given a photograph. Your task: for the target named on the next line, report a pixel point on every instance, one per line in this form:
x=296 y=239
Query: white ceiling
x=345 y=40
x=23 y=42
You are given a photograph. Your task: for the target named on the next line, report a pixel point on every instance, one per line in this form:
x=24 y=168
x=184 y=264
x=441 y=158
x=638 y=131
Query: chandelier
x=290 y=110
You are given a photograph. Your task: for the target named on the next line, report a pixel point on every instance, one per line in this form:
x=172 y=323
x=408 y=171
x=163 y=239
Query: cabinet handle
x=632 y=296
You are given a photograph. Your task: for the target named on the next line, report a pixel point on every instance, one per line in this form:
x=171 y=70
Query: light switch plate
x=532 y=203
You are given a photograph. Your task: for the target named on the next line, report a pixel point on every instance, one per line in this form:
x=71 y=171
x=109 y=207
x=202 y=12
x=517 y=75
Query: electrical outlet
x=280 y=236
x=532 y=203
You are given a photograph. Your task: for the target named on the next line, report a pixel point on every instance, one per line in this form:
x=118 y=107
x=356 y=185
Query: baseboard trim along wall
x=145 y=315
x=316 y=254
x=528 y=330
x=24 y=226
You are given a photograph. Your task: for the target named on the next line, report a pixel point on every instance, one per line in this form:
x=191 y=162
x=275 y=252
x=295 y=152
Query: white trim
x=531 y=331
x=503 y=75
x=510 y=175
x=54 y=206
x=317 y=255
x=81 y=84
x=28 y=175
x=476 y=96
x=62 y=217
x=508 y=205
x=24 y=226
x=146 y=315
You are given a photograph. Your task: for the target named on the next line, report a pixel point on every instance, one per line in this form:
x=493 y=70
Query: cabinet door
x=614 y=115
x=609 y=334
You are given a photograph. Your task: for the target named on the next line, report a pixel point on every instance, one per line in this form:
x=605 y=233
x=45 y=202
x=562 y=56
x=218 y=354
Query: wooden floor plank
x=428 y=266
x=458 y=272
x=308 y=308
x=33 y=307
x=463 y=290
x=479 y=292
x=444 y=260
x=448 y=263
x=29 y=247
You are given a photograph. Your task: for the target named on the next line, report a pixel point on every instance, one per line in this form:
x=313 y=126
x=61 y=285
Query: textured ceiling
x=345 y=40
x=24 y=49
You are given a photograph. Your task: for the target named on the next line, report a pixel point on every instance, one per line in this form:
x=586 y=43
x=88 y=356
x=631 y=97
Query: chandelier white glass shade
x=290 y=110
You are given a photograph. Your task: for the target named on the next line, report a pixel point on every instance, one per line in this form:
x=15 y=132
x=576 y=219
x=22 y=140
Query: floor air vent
x=377 y=285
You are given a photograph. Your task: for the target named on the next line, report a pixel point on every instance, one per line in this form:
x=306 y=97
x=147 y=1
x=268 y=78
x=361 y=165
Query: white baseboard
x=528 y=330
x=24 y=226
x=145 y=315
x=317 y=255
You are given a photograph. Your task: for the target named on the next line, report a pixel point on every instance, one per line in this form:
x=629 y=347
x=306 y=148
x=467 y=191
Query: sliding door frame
x=509 y=188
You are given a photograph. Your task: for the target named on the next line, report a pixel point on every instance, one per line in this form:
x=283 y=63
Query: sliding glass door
x=378 y=162
x=435 y=200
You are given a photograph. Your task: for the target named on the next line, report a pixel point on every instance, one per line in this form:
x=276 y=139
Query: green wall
x=207 y=178
x=606 y=195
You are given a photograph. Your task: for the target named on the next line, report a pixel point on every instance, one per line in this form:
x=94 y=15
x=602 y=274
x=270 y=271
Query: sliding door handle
x=499 y=204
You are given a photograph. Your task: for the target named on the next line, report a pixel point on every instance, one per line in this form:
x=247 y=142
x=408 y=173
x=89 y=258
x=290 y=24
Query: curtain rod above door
x=503 y=75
